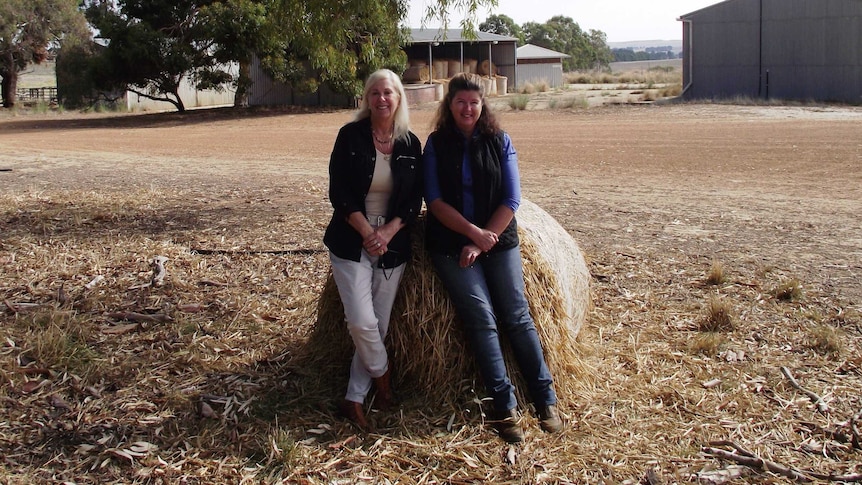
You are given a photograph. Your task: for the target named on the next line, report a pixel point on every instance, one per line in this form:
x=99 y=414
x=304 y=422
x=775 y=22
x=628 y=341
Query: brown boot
x=385 y=397
x=549 y=419
x=353 y=411
x=508 y=426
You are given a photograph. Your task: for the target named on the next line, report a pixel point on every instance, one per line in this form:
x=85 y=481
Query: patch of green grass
x=519 y=102
x=62 y=344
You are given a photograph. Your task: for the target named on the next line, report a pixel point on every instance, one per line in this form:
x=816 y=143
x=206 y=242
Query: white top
x=381 y=187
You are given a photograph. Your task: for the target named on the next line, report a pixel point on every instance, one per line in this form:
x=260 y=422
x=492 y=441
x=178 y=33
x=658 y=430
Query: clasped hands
x=483 y=241
x=376 y=243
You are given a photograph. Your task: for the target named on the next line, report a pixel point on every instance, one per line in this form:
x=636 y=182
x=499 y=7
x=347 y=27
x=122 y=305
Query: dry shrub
x=708 y=344
x=427 y=347
x=568 y=102
x=527 y=88
x=718 y=316
x=788 y=290
x=716 y=274
x=519 y=102
x=671 y=91
x=649 y=95
x=825 y=340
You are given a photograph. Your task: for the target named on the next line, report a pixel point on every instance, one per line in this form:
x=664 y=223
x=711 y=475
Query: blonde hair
x=402 y=113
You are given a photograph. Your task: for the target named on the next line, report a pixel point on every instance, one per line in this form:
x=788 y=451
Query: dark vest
x=486 y=156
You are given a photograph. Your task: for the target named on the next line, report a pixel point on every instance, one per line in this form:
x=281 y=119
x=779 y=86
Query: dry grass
x=788 y=290
x=203 y=379
x=716 y=275
x=718 y=316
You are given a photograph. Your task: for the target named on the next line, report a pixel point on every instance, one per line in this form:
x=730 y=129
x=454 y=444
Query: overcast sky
x=621 y=20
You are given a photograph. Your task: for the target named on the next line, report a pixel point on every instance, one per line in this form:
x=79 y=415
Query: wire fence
x=47 y=94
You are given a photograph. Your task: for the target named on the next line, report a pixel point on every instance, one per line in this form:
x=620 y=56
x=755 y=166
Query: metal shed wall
x=787 y=49
x=533 y=72
x=264 y=91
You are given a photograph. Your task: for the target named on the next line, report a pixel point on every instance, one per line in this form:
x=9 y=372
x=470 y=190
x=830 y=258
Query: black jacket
x=486 y=155
x=351 y=168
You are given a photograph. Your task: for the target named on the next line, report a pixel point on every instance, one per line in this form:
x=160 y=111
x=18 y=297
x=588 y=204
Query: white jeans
x=367 y=293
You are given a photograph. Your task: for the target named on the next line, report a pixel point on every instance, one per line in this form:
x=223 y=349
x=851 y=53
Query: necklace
x=385 y=141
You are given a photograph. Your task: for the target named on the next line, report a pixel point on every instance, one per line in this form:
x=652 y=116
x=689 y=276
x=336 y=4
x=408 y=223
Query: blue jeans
x=489 y=299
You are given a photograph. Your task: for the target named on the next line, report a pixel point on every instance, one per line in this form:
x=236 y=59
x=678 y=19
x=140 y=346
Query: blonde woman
x=375 y=175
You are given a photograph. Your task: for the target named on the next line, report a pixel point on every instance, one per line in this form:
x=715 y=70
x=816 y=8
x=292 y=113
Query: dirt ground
x=655 y=195
x=748 y=186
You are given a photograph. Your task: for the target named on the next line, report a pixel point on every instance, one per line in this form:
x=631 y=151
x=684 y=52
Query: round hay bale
x=470 y=65
x=426 y=345
x=441 y=68
x=414 y=74
x=455 y=67
x=486 y=68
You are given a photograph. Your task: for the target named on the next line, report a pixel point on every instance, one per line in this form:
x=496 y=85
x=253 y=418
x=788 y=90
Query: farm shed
x=264 y=91
x=783 y=49
x=434 y=56
x=539 y=64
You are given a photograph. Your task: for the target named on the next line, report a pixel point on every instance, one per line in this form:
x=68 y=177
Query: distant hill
x=642 y=45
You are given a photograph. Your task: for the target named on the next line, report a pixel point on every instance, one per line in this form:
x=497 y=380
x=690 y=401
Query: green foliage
x=588 y=49
x=440 y=9
x=503 y=25
x=28 y=29
x=153 y=45
x=334 y=43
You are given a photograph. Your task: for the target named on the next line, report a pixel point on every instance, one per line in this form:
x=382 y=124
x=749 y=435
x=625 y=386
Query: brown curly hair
x=487 y=122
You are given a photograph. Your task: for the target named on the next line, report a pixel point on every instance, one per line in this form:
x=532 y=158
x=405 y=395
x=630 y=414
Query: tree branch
x=749 y=459
x=817 y=400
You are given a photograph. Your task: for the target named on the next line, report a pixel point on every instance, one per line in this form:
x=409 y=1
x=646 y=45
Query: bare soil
x=748 y=186
x=655 y=195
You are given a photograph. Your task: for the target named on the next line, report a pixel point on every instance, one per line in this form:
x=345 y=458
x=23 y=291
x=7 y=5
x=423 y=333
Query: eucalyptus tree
x=28 y=28
x=152 y=45
x=502 y=25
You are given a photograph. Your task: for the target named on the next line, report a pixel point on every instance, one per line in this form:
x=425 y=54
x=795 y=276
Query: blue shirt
x=511 y=183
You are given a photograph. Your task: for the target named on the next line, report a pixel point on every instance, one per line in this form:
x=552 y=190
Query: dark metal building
x=782 y=49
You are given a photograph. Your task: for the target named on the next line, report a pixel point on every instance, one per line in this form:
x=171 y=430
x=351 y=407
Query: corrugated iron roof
x=429 y=35
x=531 y=51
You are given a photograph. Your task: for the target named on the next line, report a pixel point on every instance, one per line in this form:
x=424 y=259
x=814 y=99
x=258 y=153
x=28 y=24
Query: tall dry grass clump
x=716 y=274
x=718 y=316
x=426 y=345
x=788 y=290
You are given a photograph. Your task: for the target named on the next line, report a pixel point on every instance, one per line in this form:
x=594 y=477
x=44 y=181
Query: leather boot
x=353 y=412
x=508 y=426
x=385 y=397
x=549 y=419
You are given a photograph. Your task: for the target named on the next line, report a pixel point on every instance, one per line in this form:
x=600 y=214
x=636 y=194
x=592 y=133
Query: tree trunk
x=9 y=86
x=179 y=102
x=243 y=82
